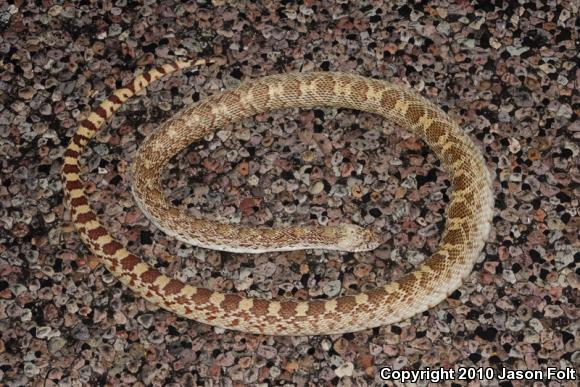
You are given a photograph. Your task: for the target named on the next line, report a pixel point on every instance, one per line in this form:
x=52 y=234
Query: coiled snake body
x=467 y=225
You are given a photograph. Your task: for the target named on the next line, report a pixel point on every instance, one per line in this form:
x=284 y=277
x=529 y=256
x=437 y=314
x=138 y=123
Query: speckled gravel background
x=506 y=72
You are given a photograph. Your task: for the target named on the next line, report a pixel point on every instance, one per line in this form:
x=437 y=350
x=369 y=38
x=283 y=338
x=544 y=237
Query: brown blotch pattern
x=407 y=283
x=453 y=153
x=114 y=99
x=90 y=125
x=259 y=95
x=414 y=113
x=459 y=210
x=292 y=89
x=324 y=83
x=97 y=232
x=73 y=184
x=80 y=201
x=461 y=182
x=129 y=262
x=173 y=287
x=201 y=296
x=359 y=90
x=231 y=302
x=436 y=262
x=71 y=153
x=288 y=309
x=316 y=309
x=71 y=168
x=453 y=237
x=101 y=112
x=435 y=132
x=346 y=303
x=86 y=217
x=260 y=307
x=376 y=297
x=150 y=275
x=389 y=100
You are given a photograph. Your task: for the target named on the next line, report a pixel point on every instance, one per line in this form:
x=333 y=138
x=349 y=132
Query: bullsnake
x=467 y=225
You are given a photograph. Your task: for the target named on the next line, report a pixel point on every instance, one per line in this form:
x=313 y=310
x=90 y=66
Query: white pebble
x=316 y=188
x=332 y=288
x=344 y=370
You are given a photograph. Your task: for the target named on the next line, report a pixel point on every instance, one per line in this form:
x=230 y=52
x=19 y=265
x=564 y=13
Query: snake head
x=354 y=238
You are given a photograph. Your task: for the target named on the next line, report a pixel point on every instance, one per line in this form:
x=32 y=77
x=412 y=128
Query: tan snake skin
x=468 y=214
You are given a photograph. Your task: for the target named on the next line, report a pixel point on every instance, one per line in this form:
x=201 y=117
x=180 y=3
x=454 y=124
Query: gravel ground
x=505 y=72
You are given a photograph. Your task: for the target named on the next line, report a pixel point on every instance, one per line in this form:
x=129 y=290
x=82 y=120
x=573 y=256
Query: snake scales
x=468 y=214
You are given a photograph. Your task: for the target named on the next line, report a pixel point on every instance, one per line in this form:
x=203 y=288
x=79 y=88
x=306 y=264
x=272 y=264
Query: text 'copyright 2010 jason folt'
x=477 y=373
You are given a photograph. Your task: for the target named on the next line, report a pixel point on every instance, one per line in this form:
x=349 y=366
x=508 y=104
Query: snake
x=468 y=214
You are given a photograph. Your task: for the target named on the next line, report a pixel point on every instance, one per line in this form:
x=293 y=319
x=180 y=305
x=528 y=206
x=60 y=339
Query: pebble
x=267 y=351
x=55 y=344
x=516 y=51
x=332 y=288
x=146 y=320
x=316 y=188
x=553 y=311
x=27 y=93
x=31 y=370
x=80 y=332
x=344 y=370
x=43 y=332
x=267 y=269
x=243 y=135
